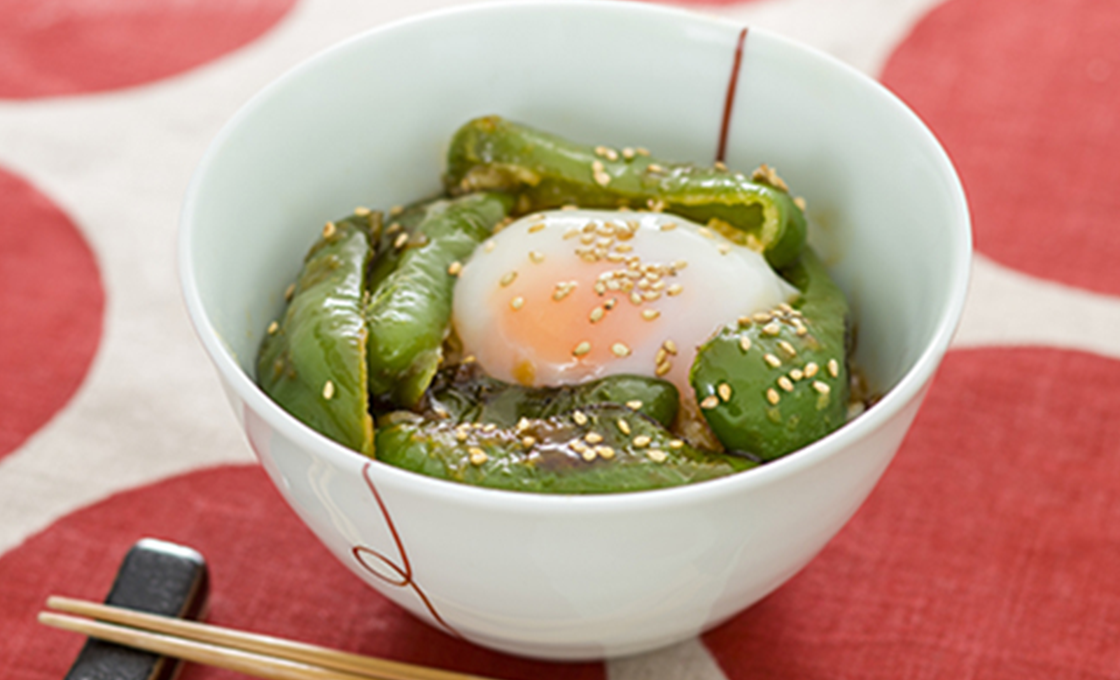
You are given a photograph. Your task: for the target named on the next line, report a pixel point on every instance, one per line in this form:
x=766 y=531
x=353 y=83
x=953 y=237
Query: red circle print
x=989 y=550
x=65 y=47
x=1026 y=103
x=51 y=304
x=268 y=574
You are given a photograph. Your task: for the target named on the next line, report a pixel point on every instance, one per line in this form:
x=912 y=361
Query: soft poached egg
x=567 y=296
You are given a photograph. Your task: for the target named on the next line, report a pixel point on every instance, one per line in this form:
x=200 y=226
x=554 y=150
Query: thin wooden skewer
x=347 y=666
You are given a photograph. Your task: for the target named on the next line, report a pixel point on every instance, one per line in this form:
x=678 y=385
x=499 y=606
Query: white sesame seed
x=392 y=228
x=657 y=455
x=800 y=202
x=507 y=278
x=663 y=368
x=329 y=230
x=517 y=302
x=761 y=317
x=602 y=179
x=489 y=246
x=605 y=452
x=581 y=349
x=522 y=424
x=477 y=455
x=455 y=268
x=785 y=384
x=400 y=240
x=706 y=232
x=641 y=441
x=589 y=454
x=719 y=165
x=650 y=314
x=328 y=390
x=709 y=402
x=724 y=391
x=623 y=426
x=744 y=343
x=675 y=443
x=596 y=166
x=834 y=368
x=724 y=249
x=811 y=369
x=528 y=442
x=620 y=350
x=273 y=327
x=772 y=328
x=670 y=347
x=674 y=289
x=596 y=315
x=787 y=348
x=396 y=210
x=654 y=167
x=774 y=361
x=796 y=374
x=579 y=417
x=571 y=233
x=362 y=211
x=627 y=153
x=461 y=435
x=821 y=387
x=772 y=396
x=636 y=298
x=536 y=256
x=634 y=404
x=668 y=226
x=592 y=437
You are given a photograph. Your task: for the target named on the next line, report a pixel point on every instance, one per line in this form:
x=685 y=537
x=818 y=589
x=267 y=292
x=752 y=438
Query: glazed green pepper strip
x=788 y=376
x=604 y=449
x=547 y=171
x=465 y=394
x=313 y=361
x=409 y=311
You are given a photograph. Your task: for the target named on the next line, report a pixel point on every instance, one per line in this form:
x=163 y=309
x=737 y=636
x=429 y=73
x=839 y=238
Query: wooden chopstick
x=251 y=653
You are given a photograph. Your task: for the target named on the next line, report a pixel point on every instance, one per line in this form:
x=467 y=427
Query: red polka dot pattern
x=989 y=550
x=51 y=304
x=66 y=47
x=269 y=574
x=1026 y=103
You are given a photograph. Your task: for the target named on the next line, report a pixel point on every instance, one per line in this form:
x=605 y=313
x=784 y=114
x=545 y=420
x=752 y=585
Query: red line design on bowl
x=729 y=102
x=405 y=571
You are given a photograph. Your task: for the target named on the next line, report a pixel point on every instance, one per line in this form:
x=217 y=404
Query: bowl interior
x=367 y=123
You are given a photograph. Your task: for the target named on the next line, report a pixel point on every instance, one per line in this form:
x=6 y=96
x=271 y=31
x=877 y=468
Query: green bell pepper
x=409 y=310
x=546 y=171
x=312 y=362
x=608 y=448
x=775 y=383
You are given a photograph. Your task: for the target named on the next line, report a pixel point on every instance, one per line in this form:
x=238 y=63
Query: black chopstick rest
x=155 y=577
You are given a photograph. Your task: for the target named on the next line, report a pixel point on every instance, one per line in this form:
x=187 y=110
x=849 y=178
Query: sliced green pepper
x=601 y=449
x=465 y=394
x=548 y=172
x=313 y=361
x=409 y=311
x=774 y=384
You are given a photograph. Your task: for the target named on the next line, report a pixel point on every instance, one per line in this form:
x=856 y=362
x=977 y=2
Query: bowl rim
x=908 y=388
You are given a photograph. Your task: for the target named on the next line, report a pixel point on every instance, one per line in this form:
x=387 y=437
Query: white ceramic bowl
x=367 y=123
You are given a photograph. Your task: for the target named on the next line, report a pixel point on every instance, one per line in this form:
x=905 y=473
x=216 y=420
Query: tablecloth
x=990 y=549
